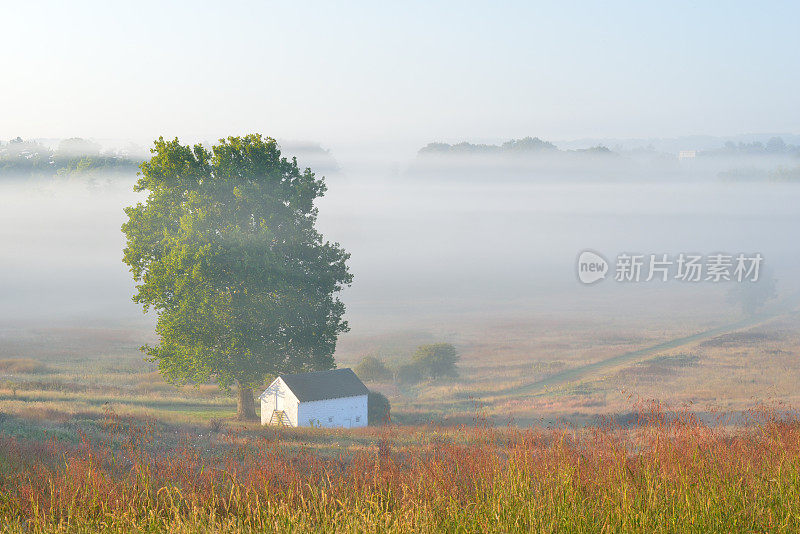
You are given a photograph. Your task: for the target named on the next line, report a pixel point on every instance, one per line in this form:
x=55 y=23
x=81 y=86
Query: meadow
x=664 y=473
x=546 y=429
x=524 y=369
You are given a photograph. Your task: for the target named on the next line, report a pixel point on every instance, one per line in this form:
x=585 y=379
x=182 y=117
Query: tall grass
x=23 y=366
x=664 y=474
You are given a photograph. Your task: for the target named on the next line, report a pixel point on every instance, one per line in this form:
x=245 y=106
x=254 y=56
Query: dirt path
x=636 y=356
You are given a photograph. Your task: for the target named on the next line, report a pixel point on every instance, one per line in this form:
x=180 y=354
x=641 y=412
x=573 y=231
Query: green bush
x=408 y=373
x=378 y=409
x=372 y=369
x=437 y=360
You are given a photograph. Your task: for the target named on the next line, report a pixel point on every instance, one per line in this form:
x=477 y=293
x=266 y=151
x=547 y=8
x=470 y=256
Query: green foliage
x=95 y=165
x=378 y=409
x=226 y=251
x=437 y=360
x=428 y=362
x=408 y=373
x=372 y=369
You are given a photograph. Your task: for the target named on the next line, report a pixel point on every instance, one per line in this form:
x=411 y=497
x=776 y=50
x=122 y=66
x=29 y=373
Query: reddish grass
x=668 y=472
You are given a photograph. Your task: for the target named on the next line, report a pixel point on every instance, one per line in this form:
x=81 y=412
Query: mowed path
x=591 y=370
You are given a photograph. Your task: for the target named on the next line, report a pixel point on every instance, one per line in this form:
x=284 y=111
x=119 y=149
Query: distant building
x=327 y=399
x=687 y=154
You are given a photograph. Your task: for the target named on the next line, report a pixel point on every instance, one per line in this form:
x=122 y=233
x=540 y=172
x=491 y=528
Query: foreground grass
x=661 y=475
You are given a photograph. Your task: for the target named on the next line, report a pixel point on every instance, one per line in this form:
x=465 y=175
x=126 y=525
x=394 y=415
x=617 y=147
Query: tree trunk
x=246 y=406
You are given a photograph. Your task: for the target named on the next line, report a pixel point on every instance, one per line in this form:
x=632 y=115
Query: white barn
x=326 y=399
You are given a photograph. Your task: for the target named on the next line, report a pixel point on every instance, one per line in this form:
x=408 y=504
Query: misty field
x=519 y=267
x=94 y=440
x=662 y=474
x=515 y=370
x=542 y=429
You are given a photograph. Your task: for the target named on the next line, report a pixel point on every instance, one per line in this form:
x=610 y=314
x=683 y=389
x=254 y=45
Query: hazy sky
x=404 y=73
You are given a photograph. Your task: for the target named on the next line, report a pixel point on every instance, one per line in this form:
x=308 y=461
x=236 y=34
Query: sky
x=398 y=74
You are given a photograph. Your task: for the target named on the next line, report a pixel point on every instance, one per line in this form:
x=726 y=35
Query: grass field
x=552 y=425
x=661 y=474
x=523 y=369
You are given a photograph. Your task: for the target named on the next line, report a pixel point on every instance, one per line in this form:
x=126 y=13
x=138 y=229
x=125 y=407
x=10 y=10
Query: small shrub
x=437 y=360
x=378 y=409
x=372 y=369
x=408 y=373
x=13 y=386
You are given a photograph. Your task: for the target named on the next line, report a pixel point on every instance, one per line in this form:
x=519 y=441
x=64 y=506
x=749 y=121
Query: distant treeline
x=21 y=158
x=775 y=146
x=527 y=145
x=537 y=146
x=751 y=174
x=29 y=158
x=532 y=158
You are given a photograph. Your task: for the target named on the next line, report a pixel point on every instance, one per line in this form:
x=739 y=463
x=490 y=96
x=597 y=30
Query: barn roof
x=321 y=385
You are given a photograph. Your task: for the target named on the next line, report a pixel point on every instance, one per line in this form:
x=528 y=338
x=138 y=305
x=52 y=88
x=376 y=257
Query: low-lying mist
x=434 y=251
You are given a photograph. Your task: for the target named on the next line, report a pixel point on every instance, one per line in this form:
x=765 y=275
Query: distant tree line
x=537 y=146
x=524 y=146
x=745 y=174
x=30 y=158
x=775 y=146
x=429 y=362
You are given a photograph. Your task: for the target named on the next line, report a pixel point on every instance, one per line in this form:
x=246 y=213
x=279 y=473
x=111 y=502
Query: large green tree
x=225 y=250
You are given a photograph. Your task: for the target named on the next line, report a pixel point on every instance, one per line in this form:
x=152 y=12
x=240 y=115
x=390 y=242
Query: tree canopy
x=225 y=250
x=372 y=369
x=436 y=360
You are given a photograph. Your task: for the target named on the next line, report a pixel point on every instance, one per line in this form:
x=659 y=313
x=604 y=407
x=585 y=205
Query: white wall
x=286 y=401
x=347 y=412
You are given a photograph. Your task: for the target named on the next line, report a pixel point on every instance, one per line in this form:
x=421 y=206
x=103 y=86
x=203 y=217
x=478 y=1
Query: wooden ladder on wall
x=279 y=418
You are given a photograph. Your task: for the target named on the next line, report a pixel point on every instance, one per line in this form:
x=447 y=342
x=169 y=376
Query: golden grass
x=170 y=459
x=28 y=366
x=663 y=474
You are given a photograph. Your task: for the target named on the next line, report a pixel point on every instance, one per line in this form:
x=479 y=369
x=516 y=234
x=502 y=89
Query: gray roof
x=321 y=385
